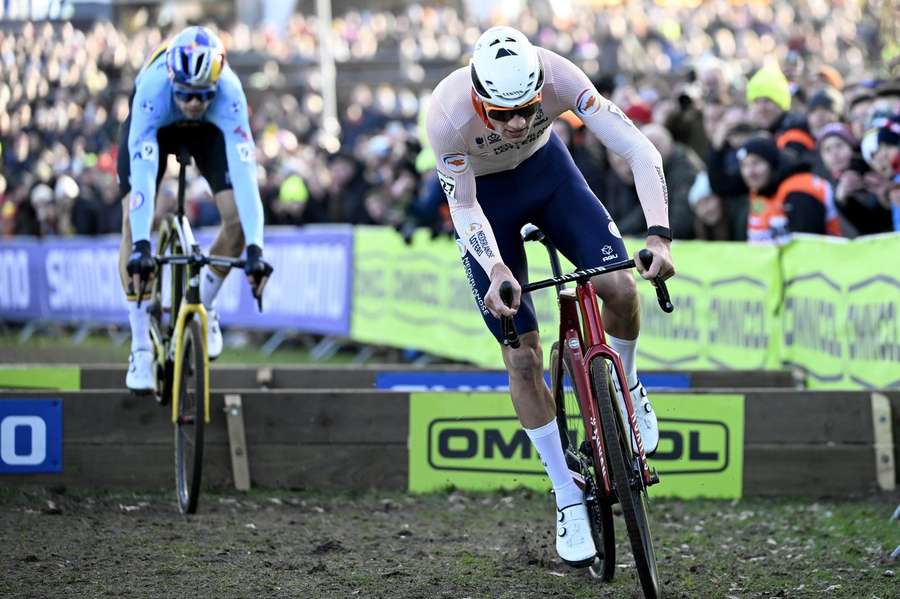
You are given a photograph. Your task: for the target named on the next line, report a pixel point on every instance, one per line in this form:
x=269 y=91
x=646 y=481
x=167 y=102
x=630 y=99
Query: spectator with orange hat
x=785 y=197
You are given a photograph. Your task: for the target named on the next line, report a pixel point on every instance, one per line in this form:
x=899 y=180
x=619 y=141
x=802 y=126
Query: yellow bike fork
x=183 y=312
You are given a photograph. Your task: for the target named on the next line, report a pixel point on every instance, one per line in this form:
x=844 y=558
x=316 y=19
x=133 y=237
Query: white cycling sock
x=139 y=319
x=627 y=350
x=547 y=442
x=210 y=283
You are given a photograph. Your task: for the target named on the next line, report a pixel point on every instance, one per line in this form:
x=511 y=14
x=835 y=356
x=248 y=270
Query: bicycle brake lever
x=141 y=289
x=662 y=292
x=510 y=336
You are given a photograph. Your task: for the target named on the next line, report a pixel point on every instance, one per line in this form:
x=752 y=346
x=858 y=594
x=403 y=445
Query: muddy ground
x=59 y=543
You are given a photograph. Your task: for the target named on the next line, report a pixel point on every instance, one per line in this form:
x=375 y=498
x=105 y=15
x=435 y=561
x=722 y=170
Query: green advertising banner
x=841 y=306
x=473 y=441
x=726 y=297
x=64 y=378
x=419 y=296
x=825 y=305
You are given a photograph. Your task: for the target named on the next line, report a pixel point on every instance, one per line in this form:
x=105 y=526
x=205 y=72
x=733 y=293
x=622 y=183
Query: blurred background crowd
x=817 y=78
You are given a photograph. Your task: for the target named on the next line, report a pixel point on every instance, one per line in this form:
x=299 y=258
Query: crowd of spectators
x=721 y=88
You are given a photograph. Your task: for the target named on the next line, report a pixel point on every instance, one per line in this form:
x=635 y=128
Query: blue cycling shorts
x=550 y=192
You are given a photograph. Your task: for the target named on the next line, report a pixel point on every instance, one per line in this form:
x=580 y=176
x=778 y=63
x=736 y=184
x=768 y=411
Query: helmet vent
x=199 y=67
x=504 y=52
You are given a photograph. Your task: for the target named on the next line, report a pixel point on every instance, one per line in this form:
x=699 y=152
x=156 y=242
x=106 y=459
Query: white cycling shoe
x=140 y=377
x=574 y=542
x=646 y=417
x=213 y=334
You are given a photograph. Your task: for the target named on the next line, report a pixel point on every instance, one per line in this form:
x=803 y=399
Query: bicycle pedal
x=654 y=476
x=185 y=420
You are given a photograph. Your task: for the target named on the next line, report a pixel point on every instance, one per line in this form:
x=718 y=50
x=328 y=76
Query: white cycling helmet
x=505 y=68
x=195 y=58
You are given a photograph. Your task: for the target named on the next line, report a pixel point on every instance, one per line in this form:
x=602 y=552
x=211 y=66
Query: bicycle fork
x=192 y=305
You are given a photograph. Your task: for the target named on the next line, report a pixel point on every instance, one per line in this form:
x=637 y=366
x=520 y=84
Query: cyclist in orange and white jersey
x=501 y=167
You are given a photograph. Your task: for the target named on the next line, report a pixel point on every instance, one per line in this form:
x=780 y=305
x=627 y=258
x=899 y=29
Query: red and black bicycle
x=595 y=436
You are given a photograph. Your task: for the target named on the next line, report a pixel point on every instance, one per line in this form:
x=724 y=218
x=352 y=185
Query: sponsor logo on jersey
x=245 y=151
x=618 y=112
x=455 y=163
x=536 y=134
x=493 y=138
x=448 y=184
x=235 y=107
x=588 y=102
x=136 y=201
x=148 y=107
x=239 y=131
x=614 y=230
x=608 y=253
x=479 y=141
x=480 y=244
x=149 y=150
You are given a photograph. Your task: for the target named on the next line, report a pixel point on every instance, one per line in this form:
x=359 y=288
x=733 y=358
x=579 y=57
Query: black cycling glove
x=140 y=262
x=256 y=268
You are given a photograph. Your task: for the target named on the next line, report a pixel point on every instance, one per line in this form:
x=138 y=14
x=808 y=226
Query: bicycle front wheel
x=190 y=420
x=627 y=481
x=572 y=434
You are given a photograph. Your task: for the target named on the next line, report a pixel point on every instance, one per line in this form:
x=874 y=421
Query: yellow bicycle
x=178 y=329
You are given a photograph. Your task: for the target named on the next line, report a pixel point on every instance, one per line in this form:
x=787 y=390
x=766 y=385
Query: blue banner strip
x=496 y=381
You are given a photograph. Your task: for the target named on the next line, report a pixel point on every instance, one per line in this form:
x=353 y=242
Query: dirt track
x=454 y=546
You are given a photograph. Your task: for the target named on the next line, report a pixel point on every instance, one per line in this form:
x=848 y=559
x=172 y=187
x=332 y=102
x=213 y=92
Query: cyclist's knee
x=526 y=360
x=617 y=289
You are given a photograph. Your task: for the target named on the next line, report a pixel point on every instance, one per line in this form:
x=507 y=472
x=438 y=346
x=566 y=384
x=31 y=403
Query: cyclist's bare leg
x=536 y=411
x=125 y=250
x=140 y=374
x=620 y=312
x=228 y=242
x=530 y=395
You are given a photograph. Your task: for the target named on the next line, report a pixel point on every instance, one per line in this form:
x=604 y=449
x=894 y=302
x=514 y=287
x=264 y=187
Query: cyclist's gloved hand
x=141 y=264
x=257 y=269
x=492 y=301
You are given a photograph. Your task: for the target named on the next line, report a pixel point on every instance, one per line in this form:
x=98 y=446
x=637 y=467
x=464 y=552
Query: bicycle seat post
x=184 y=159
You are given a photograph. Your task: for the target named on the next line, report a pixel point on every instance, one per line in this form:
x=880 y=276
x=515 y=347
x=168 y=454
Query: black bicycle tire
x=633 y=501
x=600 y=512
x=187 y=484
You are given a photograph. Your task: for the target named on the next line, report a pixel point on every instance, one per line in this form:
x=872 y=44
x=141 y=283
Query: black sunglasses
x=525 y=112
x=201 y=95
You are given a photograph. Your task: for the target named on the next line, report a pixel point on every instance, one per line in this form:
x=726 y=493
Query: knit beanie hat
x=836 y=129
x=829 y=99
x=889 y=132
x=764 y=147
x=770 y=82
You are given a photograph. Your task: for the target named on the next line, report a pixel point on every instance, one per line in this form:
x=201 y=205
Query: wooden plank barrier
x=805 y=443
x=356 y=376
x=295 y=439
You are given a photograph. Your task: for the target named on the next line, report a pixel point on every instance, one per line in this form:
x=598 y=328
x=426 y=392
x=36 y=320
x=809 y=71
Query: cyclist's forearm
x=246 y=195
x=141 y=198
x=475 y=231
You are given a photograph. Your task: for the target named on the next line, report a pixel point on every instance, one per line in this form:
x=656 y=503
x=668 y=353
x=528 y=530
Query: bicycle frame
x=190 y=305
x=587 y=332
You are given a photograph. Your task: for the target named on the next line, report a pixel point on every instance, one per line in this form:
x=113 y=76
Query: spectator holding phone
x=846 y=170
